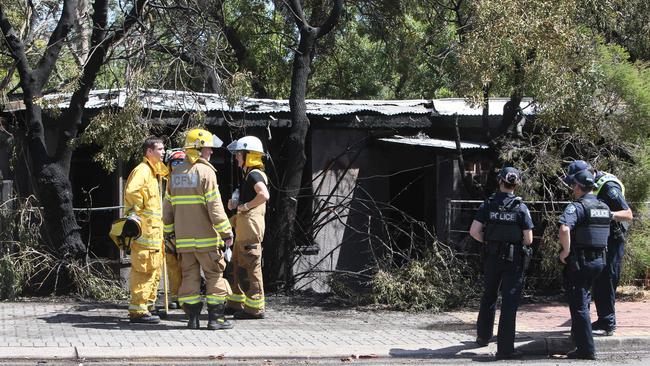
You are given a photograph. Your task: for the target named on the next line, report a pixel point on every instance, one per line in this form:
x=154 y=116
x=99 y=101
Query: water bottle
x=227 y=254
x=235 y=197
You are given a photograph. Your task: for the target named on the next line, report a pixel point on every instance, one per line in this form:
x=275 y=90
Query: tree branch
x=51 y=54
x=298 y=14
x=133 y=17
x=332 y=19
x=99 y=49
x=17 y=50
x=7 y=79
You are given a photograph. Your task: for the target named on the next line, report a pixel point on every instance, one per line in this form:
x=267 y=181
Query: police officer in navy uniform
x=584 y=229
x=609 y=189
x=504 y=225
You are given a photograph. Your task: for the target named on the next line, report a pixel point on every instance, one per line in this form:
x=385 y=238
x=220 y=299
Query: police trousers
x=604 y=290
x=506 y=277
x=248 y=286
x=212 y=263
x=580 y=273
x=144 y=279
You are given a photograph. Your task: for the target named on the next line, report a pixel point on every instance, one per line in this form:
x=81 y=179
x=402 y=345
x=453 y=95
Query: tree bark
x=81 y=47
x=51 y=171
x=51 y=183
x=281 y=246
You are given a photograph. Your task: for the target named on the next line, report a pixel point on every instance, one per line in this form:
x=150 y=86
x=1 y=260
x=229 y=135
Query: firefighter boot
x=217 y=319
x=144 y=319
x=193 y=311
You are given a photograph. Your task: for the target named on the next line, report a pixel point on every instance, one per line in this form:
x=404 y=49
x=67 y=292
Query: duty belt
x=504 y=250
x=590 y=254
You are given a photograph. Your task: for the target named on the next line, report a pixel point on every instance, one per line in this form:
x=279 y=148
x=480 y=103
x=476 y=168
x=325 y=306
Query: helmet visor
x=232 y=147
x=216 y=142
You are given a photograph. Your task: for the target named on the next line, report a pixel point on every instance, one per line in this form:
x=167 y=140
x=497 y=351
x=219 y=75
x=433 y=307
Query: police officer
x=584 y=228
x=610 y=190
x=503 y=224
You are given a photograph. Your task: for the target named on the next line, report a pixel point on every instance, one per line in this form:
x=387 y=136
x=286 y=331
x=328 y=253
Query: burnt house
x=363 y=156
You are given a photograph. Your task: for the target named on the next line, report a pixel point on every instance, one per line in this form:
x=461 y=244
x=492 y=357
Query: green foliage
x=594 y=101
x=267 y=34
x=10 y=279
x=119 y=134
x=383 y=50
x=237 y=88
x=636 y=263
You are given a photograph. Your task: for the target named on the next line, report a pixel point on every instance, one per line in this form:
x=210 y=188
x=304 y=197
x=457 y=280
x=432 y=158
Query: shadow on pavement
x=310 y=299
x=111 y=322
x=97 y=306
x=453 y=352
x=450 y=325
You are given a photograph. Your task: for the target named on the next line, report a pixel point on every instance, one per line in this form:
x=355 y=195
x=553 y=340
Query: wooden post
x=6 y=193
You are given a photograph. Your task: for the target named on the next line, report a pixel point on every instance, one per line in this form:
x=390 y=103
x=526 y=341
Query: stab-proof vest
x=606 y=178
x=592 y=231
x=504 y=220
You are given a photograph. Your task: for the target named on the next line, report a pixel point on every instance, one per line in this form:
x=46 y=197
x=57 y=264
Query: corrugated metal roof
x=451 y=106
x=179 y=101
x=430 y=142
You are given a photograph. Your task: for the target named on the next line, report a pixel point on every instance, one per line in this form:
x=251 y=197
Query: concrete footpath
x=293 y=329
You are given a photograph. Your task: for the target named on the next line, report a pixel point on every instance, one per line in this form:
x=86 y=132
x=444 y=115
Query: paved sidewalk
x=89 y=331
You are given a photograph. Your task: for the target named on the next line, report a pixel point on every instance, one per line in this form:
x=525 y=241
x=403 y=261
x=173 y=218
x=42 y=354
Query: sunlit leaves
x=119 y=134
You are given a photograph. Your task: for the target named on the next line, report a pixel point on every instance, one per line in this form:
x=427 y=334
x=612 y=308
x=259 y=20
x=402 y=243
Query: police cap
x=584 y=178
x=573 y=168
x=510 y=175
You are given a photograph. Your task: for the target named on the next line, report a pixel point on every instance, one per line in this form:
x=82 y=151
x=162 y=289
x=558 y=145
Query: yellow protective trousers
x=248 y=286
x=144 y=278
x=212 y=263
x=151 y=302
x=174 y=275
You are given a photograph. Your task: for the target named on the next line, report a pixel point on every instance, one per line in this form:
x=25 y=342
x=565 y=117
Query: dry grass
x=27 y=265
x=633 y=293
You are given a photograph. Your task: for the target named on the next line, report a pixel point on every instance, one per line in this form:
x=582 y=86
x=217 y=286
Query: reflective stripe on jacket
x=605 y=178
x=193 y=208
x=142 y=197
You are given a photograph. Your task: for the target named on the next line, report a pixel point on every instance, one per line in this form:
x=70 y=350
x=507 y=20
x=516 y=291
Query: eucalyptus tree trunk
x=49 y=166
x=280 y=248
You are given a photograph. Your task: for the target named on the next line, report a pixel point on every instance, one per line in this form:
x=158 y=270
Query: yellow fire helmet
x=199 y=138
x=125 y=229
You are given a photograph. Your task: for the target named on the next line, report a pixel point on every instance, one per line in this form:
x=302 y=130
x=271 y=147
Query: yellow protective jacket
x=193 y=208
x=142 y=197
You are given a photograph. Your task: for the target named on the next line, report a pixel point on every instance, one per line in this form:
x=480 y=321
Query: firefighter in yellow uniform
x=195 y=214
x=142 y=199
x=247 y=300
x=171 y=257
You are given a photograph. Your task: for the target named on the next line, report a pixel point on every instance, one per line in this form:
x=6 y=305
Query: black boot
x=217 y=319
x=193 y=311
x=230 y=311
x=242 y=314
x=144 y=319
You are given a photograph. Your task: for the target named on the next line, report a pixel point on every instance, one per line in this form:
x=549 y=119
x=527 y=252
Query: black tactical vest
x=592 y=231
x=504 y=220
